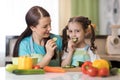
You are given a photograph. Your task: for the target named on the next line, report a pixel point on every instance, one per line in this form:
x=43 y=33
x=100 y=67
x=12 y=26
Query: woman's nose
x=49 y=28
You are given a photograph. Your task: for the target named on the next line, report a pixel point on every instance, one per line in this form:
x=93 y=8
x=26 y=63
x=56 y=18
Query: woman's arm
x=50 y=47
x=45 y=61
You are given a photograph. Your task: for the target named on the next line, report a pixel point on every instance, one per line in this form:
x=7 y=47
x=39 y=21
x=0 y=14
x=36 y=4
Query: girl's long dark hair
x=92 y=47
x=85 y=22
x=32 y=17
x=65 y=38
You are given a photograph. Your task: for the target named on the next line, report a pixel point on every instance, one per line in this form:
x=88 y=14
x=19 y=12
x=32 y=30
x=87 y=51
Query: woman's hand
x=50 y=47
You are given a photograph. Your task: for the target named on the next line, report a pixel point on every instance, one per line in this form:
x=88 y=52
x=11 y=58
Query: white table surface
x=4 y=75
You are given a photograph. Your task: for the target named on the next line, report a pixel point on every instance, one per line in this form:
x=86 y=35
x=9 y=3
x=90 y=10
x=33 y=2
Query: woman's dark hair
x=85 y=22
x=32 y=17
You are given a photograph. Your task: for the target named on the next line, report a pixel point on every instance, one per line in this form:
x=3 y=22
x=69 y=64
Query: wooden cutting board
x=77 y=69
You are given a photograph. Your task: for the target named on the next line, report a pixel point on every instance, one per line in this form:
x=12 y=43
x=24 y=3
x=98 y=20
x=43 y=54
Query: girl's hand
x=71 y=46
x=50 y=47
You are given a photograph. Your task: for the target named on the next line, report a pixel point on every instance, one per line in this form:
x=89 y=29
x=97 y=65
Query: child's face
x=75 y=30
x=43 y=28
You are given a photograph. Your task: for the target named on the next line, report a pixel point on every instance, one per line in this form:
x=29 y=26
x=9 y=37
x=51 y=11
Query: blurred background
x=103 y=13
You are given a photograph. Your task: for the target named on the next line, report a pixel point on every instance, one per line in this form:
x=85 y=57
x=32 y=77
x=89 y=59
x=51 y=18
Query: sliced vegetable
x=113 y=71
x=80 y=63
x=69 y=66
x=26 y=72
x=74 y=39
x=118 y=70
x=55 y=38
x=54 y=69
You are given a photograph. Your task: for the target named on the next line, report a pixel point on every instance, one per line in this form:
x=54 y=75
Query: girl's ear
x=88 y=31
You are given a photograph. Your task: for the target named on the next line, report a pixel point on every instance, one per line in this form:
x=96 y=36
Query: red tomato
x=92 y=71
x=36 y=67
x=85 y=66
x=103 y=72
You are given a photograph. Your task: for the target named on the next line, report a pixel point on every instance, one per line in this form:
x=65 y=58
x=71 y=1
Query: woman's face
x=75 y=30
x=43 y=28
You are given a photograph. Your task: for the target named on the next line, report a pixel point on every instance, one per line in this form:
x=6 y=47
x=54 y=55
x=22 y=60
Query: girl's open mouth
x=74 y=39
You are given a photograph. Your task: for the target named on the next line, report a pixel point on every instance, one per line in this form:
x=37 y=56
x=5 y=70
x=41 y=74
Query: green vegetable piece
x=66 y=66
x=55 y=38
x=69 y=66
x=114 y=71
x=27 y=72
x=119 y=70
x=80 y=63
x=74 y=39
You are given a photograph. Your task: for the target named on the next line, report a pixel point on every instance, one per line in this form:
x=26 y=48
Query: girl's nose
x=73 y=34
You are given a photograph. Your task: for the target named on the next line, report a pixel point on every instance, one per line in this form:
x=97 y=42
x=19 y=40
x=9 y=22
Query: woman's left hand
x=50 y=47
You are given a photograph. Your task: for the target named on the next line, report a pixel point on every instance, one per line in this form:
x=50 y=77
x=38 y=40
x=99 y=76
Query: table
x=4 y=75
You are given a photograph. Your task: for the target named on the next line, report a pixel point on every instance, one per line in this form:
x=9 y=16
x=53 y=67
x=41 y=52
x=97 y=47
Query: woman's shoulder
x=26 y=39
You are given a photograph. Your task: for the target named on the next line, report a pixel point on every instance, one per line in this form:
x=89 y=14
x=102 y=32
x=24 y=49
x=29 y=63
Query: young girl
x=75 y=49
x=37 y=41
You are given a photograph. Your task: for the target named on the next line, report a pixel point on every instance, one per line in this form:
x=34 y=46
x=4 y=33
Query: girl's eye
x=77 y=30
x=70 y=31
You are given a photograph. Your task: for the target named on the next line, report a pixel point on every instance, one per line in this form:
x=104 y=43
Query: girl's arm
x=67 y=60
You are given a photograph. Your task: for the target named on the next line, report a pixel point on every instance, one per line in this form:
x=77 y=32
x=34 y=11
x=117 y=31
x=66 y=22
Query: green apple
x=11 y=67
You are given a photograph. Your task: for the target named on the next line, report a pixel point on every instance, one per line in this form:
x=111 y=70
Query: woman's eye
x=45 y=26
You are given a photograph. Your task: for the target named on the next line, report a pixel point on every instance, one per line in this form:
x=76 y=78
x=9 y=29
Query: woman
x=37 y=40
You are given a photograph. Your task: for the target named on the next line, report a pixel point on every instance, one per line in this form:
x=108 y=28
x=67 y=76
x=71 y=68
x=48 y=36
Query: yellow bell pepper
x=101 y=63
x=25 y=62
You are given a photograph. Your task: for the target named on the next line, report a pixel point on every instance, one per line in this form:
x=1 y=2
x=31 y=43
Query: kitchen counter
x=4 y=75
x=110 y=57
